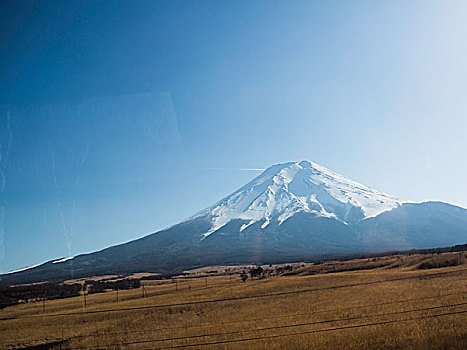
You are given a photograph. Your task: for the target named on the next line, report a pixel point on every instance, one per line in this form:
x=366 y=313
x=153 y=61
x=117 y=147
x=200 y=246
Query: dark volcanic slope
x=415 y=225
x=304 y=236
x=291 y=211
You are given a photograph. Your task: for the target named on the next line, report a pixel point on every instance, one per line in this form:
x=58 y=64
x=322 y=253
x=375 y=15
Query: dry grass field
x=395 y=302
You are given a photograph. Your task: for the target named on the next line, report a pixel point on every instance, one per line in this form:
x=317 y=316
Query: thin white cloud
x=235 y=169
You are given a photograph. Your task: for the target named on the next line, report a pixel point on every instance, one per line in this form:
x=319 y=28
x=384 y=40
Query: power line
x=272 y=317
x=252 y=319
x=312 y=331
x=272 y=327
x=309 y=290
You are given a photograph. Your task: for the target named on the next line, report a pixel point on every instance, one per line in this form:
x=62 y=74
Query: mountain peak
x=284 y=190
x=306 y=164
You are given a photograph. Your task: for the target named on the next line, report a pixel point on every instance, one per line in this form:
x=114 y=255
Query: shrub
x=256 y=272
x=243 y=276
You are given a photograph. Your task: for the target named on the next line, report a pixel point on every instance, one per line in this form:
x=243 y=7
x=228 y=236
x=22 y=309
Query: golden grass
x=308 y=310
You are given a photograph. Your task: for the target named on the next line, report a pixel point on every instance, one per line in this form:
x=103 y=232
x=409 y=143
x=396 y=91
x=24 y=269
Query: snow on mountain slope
x=23 y=269
x=286 y=189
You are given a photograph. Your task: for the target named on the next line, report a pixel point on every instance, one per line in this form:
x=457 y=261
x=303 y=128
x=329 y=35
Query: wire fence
x=288 y=315
x=64 y=340
x=154 y=340
x=227 y=299
x=303 y=332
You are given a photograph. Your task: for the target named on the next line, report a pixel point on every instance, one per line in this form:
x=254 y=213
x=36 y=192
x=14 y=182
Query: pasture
x=383 y=303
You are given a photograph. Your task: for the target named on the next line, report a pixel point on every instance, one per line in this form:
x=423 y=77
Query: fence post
x=84 y=294
x=43 y=298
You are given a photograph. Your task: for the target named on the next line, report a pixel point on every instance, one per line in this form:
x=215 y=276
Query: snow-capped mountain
x=291 y=212
x=284 y=190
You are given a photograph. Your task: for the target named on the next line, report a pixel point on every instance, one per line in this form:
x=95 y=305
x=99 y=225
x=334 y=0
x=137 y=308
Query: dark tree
x=243 y=276
x=256 y=272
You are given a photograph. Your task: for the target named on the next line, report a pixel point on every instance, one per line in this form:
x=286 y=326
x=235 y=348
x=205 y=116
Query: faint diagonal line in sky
x=4 y=154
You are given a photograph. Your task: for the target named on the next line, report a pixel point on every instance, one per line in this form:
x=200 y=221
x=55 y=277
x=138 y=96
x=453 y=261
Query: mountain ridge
x=296 y=210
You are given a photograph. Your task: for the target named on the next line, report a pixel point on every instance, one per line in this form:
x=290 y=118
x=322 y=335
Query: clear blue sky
x=119 y=118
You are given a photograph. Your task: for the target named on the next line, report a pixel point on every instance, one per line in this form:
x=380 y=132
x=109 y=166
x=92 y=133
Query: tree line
x=103 y=286
x=23 y=294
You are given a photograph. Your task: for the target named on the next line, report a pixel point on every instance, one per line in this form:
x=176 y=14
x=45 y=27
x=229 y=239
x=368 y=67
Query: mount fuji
x=290 y=212
x=287 y=189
